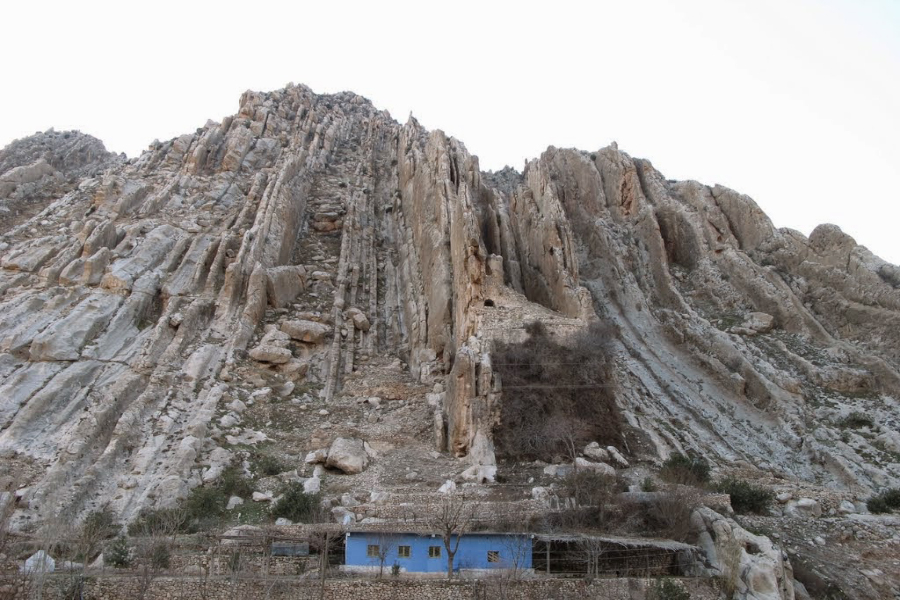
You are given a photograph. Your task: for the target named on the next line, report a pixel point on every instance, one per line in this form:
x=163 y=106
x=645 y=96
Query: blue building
x=425 y=553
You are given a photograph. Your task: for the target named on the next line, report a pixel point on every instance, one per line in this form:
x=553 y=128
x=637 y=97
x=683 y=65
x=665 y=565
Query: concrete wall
x=514 y=551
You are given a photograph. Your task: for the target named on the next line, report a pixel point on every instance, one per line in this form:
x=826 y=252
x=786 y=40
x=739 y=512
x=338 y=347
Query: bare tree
x=387 y=543
x=591 y=549
x=452 y=518
x=154 y=555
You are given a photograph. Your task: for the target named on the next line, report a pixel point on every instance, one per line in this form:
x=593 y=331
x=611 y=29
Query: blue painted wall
x=515 y=551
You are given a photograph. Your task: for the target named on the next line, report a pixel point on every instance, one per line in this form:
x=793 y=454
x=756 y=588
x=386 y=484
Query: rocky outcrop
x=37 y=169
x=281 y=251
x=749 y=566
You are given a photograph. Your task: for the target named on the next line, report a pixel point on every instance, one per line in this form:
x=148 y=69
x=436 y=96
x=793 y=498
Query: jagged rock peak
x=231 y=287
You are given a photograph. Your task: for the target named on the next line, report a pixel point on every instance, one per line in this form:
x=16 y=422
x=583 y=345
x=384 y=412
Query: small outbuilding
x=426 y=553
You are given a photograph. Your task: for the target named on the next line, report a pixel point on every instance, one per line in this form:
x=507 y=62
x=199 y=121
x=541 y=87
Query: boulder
x=480 y=473
x=312 y=485
x=804 y=507
x=360 y=321
x=262 y=496
x=558 y=470
x=759 y=322
x=347 y=455
x=316 y=457
x=284 y=284
x=271 y=354
x=234 y=502
x=306 y=331
x=275 y=337
x=617 y=456
x=759 y=568
x=596 y=467
x=343 y=515
x=39 y=562
x=595 y=452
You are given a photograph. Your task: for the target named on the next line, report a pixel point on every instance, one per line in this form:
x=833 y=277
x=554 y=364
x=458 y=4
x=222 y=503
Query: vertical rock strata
x=311 y=233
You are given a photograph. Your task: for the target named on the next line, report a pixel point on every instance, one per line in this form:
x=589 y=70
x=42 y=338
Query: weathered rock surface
x=40 y=168
x=748 y=563
x=150 y=302
x=347 y=455
x=306 y=331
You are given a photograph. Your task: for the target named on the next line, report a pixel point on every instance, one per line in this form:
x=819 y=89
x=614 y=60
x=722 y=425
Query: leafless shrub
x=557 y=397
x=595 y=503
x=666 y=513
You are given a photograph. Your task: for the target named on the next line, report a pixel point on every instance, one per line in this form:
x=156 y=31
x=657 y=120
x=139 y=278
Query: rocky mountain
x=41 y=168
x=310 y=270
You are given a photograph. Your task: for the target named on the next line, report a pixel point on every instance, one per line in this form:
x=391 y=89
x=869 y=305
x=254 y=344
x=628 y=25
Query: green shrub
x=857 y=419
x=648 y=485
x=205 y=503
x=100 y=523
x=118 y=554
x=877 y=505
x=745 y=496
x=160 y=555
x=233 y=483
x=297 y=505
x=885 y=502
x=687 y=470
x=667 y=589
x=266 y=465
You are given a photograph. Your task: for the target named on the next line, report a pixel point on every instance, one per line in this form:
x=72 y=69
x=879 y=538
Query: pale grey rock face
x=757 y=567
x=144 y=303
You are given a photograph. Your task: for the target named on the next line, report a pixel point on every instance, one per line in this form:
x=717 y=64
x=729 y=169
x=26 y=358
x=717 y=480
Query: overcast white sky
x=793 y=102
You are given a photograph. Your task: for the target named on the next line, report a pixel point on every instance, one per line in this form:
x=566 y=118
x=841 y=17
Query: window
x=404 y=551
x=434 y=551
x=373 y=551
x=493 y=556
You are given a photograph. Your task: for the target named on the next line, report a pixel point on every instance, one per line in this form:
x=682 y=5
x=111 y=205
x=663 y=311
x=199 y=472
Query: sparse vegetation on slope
x=886 y=501
x=686 y=470
x=745 y=496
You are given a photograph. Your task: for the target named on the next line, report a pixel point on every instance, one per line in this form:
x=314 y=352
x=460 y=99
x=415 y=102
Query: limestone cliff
x=309 y=238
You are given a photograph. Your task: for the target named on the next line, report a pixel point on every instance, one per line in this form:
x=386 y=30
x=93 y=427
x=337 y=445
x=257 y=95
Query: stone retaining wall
x=131 y=588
